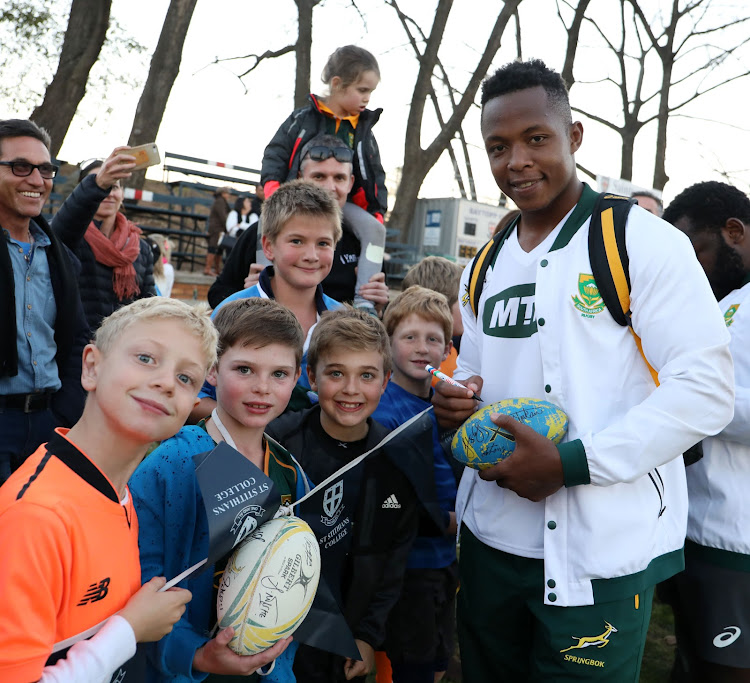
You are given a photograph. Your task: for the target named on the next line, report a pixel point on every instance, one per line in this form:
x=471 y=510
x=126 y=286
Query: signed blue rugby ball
x=480 y=443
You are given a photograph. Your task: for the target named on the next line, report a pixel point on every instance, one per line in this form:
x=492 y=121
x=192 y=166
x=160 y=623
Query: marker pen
x=449 y=380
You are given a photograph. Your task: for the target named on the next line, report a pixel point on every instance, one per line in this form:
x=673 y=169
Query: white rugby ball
x=269 y=584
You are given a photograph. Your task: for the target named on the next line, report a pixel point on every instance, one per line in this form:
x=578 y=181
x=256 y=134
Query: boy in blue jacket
x=259 y=354
x=419 y=323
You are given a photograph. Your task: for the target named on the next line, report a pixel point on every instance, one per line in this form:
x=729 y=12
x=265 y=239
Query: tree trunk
x=628 y=144
x=660 y=169
x=165 y=65
x=570 y=51
x=303 y=51
x=418 y=161
x=84 y=37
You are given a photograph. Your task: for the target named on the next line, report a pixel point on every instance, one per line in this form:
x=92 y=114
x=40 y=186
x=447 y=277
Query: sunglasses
x=23 y=169
x=88 y=162
x=341 y=154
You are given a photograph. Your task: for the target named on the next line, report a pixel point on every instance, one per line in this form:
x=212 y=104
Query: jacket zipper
x=659 y=489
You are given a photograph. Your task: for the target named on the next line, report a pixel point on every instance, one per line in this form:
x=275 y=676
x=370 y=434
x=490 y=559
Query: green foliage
x=32 y=34
x=32 y=24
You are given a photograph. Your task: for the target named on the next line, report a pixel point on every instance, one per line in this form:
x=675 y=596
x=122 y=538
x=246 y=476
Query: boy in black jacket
x=373 y=515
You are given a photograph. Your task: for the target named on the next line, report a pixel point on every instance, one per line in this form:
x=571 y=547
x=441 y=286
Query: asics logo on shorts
x=96 y=591
x=727 y=636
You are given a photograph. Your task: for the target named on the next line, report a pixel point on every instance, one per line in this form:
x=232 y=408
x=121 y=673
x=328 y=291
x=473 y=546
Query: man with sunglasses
x=327 y=162
x=42 y=326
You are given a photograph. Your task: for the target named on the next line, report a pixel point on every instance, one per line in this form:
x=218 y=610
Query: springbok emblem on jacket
x=600 y=641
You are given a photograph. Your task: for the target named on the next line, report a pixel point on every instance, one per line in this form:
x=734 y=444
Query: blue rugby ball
x=480 y=443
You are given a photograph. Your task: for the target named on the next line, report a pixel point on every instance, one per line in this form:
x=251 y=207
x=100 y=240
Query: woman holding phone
x=116 y=263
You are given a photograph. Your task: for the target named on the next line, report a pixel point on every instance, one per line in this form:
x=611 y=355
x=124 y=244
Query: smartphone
x=145 y=155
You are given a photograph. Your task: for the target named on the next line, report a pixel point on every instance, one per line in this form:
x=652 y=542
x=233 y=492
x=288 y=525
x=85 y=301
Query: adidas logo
x=391 y=503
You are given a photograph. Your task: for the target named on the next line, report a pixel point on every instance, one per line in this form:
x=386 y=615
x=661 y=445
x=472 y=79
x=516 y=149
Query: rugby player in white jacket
x=561 y=546
x=712 y=602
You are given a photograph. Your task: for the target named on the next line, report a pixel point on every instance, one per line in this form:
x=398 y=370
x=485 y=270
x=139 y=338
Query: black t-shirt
x=342 y=279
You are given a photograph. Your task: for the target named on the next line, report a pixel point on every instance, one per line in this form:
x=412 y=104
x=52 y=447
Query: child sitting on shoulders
x=349 y=363
x=68 y=527
x=259 y=352
x=352 y=74
x=419 y=323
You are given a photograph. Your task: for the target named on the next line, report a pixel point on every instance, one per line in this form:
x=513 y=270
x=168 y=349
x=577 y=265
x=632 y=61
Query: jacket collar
x=266 y=291
x=70 y=455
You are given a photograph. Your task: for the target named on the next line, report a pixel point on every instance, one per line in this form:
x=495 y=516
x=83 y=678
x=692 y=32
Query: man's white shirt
x=514 y=274
x=719 y=483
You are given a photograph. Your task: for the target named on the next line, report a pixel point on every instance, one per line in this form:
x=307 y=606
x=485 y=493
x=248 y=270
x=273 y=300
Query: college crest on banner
x=237 y=496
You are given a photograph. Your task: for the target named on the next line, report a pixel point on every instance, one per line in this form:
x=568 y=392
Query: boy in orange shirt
x=68 y=528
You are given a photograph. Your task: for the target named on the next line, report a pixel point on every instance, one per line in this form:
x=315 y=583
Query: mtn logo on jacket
x=511 y=313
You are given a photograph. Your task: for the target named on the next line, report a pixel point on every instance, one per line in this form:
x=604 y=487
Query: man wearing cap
x=42 y=326
x=217 y=224
x=327 y=170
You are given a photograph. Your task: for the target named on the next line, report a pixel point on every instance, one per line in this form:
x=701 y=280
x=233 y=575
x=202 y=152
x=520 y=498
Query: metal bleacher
x=399 y=256
x=189 y=201
x=181 y=212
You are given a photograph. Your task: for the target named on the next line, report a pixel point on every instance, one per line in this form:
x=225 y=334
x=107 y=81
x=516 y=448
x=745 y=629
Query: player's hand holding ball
x=534 y=469
x=453 y=405
x=513 y=443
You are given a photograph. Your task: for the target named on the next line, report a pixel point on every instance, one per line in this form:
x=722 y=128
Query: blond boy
x=68 y=528
x=419 y=324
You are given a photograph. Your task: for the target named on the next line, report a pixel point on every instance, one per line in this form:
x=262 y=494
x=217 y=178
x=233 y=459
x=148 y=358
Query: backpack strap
x=484 y=259
x=610 y=266
x=608 y=254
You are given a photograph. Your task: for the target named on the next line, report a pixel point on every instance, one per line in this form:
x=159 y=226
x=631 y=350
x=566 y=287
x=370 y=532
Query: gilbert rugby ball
x=480 y=443
x=269 y=584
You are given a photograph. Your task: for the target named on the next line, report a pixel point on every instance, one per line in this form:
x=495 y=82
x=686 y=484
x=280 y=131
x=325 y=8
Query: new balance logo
x=95 y=592
x=391 y=503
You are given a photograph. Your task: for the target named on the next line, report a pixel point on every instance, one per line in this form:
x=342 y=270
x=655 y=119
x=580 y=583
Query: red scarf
x=118 y=251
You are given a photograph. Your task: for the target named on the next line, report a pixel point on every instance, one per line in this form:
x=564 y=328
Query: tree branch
x=582 y=168
x=598 y=119
x=268 y=54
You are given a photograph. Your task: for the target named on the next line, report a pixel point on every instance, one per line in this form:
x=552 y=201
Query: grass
x=660 y=648
x=657 y=658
